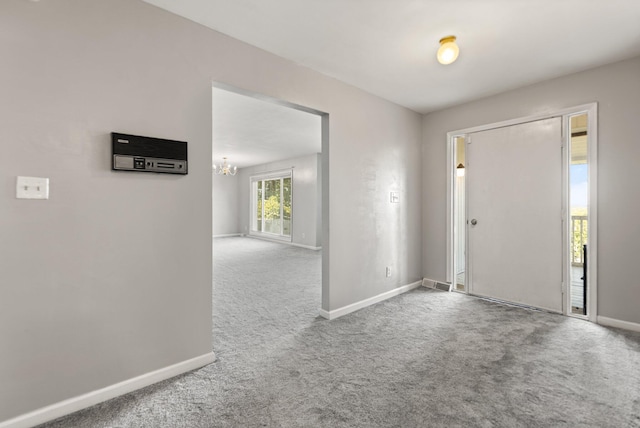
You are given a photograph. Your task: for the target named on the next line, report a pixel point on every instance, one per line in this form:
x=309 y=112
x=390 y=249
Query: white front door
x=514 y=188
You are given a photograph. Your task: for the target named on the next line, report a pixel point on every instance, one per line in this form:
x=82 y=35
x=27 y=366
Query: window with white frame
x=271 y=205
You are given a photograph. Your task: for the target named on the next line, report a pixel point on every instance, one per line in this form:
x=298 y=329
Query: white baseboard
x=308 y=247
x=336 y=313
x=62 y=408
x=612 y=322
x=281 y=241
x=324 y=314
x=228 y=235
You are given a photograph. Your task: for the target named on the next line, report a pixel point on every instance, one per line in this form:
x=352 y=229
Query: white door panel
x=515 y=194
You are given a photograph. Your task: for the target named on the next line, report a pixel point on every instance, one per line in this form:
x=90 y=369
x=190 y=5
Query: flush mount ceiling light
x=225 y=168
x=448 y=51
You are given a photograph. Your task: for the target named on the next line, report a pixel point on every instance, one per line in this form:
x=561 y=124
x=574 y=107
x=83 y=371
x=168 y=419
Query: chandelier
x=225 y=168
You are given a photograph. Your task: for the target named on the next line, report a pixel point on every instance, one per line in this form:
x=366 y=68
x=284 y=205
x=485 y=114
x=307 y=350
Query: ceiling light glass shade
x=225 y=168
x=448 y=51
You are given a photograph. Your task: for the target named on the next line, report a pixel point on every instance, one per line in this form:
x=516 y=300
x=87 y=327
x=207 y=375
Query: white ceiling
x=387 y=47
x=250 y=131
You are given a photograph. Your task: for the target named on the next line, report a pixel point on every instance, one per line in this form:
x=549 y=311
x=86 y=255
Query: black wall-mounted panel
x=146 y=154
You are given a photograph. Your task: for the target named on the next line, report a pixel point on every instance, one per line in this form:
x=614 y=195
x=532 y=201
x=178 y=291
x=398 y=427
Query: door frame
x=591 y=109
x=324 y=177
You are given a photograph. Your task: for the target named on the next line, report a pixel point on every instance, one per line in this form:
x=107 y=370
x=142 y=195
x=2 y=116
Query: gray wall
x=306 y=186
x=616 y=88
x=111 y=277
x=225 y=205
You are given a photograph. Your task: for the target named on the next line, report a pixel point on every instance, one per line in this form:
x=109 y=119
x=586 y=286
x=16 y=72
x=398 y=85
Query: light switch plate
x=32 y=188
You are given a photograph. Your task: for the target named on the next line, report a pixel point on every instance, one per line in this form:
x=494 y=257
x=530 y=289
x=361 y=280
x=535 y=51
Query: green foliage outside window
x=579 y=234
x=274 y=192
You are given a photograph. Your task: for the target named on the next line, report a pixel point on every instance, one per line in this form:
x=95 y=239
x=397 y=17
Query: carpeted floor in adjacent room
x=423 y=359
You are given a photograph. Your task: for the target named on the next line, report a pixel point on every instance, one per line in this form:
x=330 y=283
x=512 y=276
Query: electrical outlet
x=32 y=188
x=388 y=272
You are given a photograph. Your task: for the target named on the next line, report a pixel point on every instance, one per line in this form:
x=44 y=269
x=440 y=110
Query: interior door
x=514 y=212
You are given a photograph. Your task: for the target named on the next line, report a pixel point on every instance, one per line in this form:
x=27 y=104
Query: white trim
x=567 y=250
x=65 y=407
x=279 y=241
x=336 y=313
x=324 y=314
x=592 y=220
x=228 y=235
x=308 y=247
x=525 y=119
x=270 y=236
x=451 y=158
x=612 y=322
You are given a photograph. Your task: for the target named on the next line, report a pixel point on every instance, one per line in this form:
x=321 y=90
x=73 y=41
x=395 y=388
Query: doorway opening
x=277 y=157
x=479 y=178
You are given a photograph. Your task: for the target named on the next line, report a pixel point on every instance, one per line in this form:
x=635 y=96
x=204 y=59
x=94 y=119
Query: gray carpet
x=423 y=359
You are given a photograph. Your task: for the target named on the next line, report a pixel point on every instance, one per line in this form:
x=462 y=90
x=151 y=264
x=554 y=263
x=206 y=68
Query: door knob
x=474 y=222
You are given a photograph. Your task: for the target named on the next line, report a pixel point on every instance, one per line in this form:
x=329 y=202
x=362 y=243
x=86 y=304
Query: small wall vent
x=436 y=285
